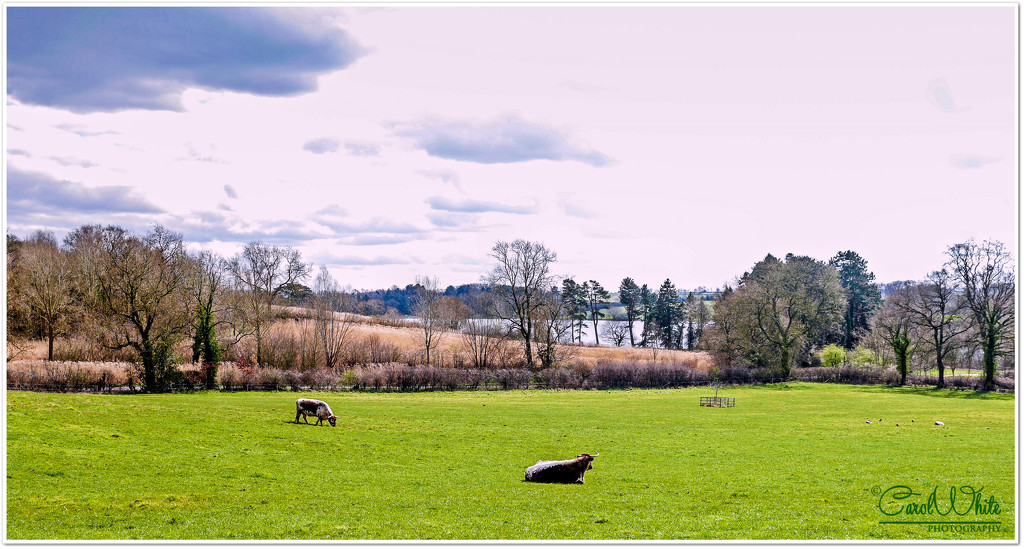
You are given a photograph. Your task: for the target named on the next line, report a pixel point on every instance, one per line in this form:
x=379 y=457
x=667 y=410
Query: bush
x=559 y=378
x=281 y=349
x=380 y=351
x=513 y=378
x=847 y=374
x=82 y=349
x=92 y=376
x=269 y=378
x=1006 y=384
x=861 y=356
x=832 y=355
x=230 y=376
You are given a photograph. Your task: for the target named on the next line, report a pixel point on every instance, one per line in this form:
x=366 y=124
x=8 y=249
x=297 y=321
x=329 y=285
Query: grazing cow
x=570 y=471
x=305 y=407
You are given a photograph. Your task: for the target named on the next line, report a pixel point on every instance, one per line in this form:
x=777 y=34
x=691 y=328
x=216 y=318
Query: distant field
x=934 y=372
x=790 y=461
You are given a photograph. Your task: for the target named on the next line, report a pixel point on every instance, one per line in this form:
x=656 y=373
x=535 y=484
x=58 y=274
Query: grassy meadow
x=790 y=461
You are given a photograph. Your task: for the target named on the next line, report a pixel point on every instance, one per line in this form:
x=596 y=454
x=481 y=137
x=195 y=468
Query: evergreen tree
x=647 y=301
x=575 y=305
x=629 y=296
x=667 y=312
x=596 y=296
x=692 y=308
x=863 y=297
x=205 y=348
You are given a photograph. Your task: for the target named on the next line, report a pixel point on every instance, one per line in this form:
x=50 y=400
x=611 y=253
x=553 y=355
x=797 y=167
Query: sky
x=386 y=143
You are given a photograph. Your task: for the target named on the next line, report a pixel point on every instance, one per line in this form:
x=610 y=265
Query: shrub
x=380 y=351
x=281 y=349
x=560 y=378
x=513 y=378
x=1006 y=383
x=847 y=374
x=230 y=376
x=862 y=356
x=83 y=349
x=832 y=355
x=269 y=378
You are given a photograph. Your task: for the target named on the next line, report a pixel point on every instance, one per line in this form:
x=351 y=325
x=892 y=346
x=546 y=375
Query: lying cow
x=570 y=471
x=305 y=407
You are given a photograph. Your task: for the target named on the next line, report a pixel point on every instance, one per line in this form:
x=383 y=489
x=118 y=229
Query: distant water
x=602 y=326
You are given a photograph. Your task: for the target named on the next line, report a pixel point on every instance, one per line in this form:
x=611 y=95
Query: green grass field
x=791 y=461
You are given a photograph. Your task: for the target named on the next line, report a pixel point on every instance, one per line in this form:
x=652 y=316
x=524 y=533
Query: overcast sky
x=682 y=142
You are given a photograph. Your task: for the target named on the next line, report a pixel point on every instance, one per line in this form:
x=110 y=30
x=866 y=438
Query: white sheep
x=305 y=407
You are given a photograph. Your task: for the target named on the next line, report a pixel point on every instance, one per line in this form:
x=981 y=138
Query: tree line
x=778 y=314
x=145 y=294
x=780 y=311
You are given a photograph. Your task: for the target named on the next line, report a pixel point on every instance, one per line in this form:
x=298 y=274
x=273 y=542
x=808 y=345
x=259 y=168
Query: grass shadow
x=311 y=424
x=937 y=392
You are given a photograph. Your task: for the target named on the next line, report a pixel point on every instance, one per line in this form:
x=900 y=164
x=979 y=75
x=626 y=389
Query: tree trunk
x=211 y=376
x=902 y=358
x=631 y=342
x=848 y=328
x=990 y=359
x=148 y=367
x=529 y=354
x=941 y=366
x=50 y=337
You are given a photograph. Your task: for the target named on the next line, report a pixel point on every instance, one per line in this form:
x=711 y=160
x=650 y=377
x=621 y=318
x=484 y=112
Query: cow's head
x=588 y=458
x=333 y=419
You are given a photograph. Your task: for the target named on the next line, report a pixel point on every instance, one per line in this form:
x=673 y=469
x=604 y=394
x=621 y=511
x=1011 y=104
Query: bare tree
x=725 y=337
x=879 y=349
x=48 y=285
x=483 y=339
x=519 y=282
x=936 y=309
x=454 y=313
x=893 y=325
x=309 y=344
x=141 y=283
x=550 y=326
x=259 y=273
x=14 y=298
x=212 y=312
x=427 y=308
x=651 y=334
x=696 y=317
x=617 y=332
x=986 y=272
x=332 y=328
x=210 y=292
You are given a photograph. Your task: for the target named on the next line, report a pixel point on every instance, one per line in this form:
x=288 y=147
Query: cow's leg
x=297 y=414
x=305 y=418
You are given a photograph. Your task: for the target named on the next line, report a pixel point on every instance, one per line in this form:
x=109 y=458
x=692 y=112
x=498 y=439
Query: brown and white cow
x=569 y=471
x=305 y=407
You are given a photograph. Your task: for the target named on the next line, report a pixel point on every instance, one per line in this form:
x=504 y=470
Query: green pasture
x=790 y=461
